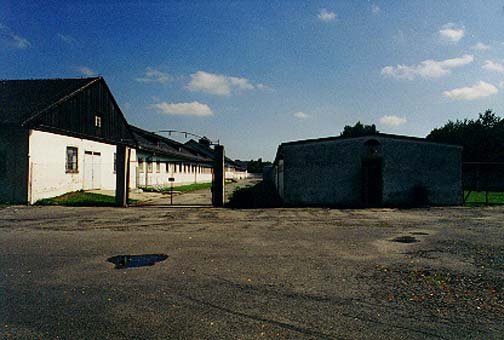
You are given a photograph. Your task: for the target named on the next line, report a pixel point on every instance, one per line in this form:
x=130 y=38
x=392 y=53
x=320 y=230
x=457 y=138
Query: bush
x=261 y=195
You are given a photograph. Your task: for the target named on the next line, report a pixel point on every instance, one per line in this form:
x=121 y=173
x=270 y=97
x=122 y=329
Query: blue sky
x=257 y=73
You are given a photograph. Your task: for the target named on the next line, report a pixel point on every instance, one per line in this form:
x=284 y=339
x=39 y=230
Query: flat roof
x=376 y=135
x=380 y=135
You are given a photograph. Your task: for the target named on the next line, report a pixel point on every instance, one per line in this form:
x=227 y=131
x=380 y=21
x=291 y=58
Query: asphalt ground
x=250 y=274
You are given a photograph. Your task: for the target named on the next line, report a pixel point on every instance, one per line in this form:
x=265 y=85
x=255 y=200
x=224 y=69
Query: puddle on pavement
x=135 y=261
x=405 y=239
x=419 y=233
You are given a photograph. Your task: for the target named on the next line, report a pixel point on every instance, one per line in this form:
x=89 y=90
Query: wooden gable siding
x=76 y=116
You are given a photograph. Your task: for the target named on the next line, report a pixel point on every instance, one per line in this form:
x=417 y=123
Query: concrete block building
x=377 y=170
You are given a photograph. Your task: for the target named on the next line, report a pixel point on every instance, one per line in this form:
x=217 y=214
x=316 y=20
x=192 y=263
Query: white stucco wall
x=47 y=165
x=161 y=178
x=232 y=173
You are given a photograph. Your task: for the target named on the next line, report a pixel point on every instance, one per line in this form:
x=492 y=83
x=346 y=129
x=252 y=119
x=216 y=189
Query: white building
x=160 y=158
x=232 y=170
x=57 y=136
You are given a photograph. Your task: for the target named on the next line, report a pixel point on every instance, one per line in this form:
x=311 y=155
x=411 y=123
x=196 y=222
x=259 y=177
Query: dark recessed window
x=72 y=160
x=149 y=167
x=140 y=165
x=158 y=166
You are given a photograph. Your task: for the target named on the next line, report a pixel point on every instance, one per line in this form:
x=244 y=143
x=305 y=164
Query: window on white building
x=72 y=164
x=140 y=165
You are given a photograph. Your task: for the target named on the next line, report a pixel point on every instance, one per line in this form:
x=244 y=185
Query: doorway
x=372 y=182
x=92 y=170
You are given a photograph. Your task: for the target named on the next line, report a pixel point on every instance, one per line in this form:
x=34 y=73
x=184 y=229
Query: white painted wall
x=47 y=165
x=161 y=178
x=232 y=173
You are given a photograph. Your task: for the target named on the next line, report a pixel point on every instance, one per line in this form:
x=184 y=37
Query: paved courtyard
x=250 y=274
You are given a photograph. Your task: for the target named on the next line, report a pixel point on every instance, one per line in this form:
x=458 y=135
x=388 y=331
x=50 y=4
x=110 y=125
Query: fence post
x=122 y=176
x=219 y=177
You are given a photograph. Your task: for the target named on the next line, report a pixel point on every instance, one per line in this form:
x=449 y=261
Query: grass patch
x=82 y=199
x=261 y=195
x=193 y=187
x=478 y=198
x=182 y=188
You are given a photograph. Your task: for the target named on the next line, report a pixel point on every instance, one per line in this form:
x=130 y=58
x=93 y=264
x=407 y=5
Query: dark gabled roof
x=157 y=144
x=21 y=100
x=205 y=149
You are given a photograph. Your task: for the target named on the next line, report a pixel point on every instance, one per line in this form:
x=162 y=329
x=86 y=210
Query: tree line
x=481 y=138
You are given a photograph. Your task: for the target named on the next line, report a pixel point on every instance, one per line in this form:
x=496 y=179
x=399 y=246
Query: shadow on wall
x=264 y=195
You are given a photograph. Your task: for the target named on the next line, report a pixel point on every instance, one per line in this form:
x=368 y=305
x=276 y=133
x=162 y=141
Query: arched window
x=373 y=148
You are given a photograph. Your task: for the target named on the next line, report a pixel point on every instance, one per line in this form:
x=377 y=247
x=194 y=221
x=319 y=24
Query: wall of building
x=13 y=165
x=435 y=167
x=48 y=175
x=162 y=168
x=322 y=173
x=330 y=172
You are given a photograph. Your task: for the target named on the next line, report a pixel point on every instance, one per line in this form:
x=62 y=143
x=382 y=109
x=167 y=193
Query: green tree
x=482 y=138
x=257 y=166
x=359 y=130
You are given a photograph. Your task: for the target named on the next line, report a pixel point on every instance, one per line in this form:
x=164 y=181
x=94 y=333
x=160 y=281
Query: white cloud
x=154 y=76
x=393 y=120
x=301 y=115
x=501 y=84
x=20 y=42
x=493 y=66
x=218 y=84
x=66 y=38
x=12 y=38
x=479 y=90
x=86 y=71
x=480 y=47
x=375 y=9
x=183 y=109
x=326 y=15
x=427 y=68
x=451 y=32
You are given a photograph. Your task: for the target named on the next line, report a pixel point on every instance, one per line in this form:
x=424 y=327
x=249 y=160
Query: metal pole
x=171 y=193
